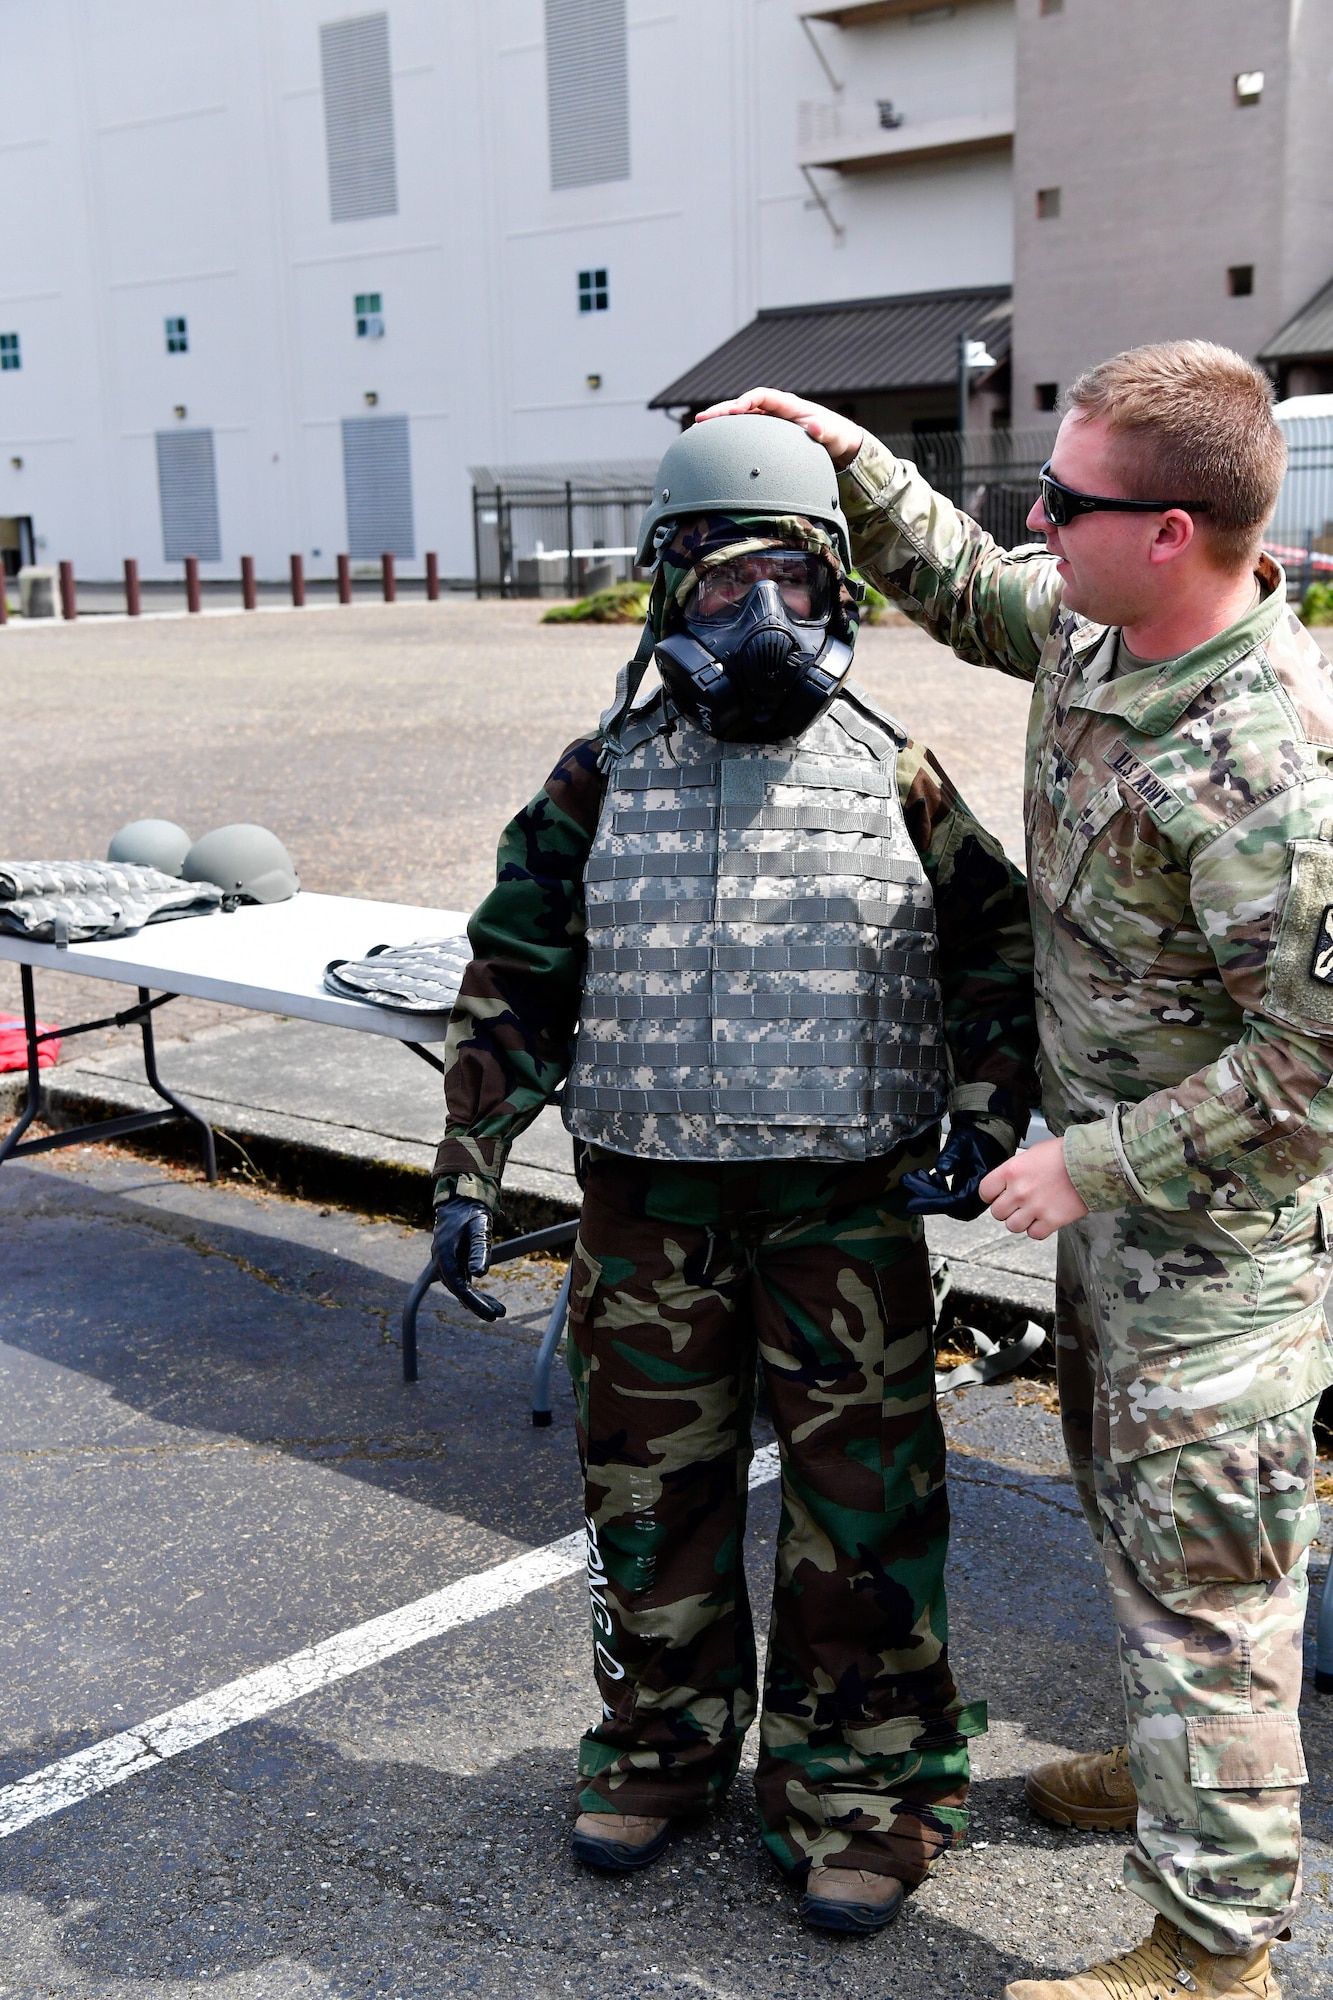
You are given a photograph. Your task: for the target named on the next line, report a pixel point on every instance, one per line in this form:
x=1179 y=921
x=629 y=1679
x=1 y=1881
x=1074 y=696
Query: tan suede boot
x=1169 y=1965
x=618 y=1842
x=1094 y=1793
x=850 y=1899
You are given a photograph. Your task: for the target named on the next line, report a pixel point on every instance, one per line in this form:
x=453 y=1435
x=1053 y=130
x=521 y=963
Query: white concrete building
x=275 y=275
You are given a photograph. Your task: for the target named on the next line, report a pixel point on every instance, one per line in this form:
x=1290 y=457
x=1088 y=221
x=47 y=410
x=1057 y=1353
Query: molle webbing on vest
x=761 y=950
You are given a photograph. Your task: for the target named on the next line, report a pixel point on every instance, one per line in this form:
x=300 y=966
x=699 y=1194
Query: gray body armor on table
x=760 y=980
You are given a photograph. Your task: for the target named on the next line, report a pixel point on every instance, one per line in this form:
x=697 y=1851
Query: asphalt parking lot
x=210 y=1463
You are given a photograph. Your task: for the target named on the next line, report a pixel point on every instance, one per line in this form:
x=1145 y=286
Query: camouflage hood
x=712 y=539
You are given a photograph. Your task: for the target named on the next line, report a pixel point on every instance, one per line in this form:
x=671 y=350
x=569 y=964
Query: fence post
x=4 y=594
x=476 y=537
x=1307 y=573
x=69 y=604
x=248 y=583
x=571 y=591
x=344 y=579
x=432 y=577
x=298 y=582
x=192 y=583
x=388 y=578
x=133 y=601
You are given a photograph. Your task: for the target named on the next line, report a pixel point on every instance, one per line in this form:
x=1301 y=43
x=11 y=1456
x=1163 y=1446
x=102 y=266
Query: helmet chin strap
x=628 y=682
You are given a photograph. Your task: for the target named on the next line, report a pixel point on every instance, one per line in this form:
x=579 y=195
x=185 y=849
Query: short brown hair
x=1195 y=422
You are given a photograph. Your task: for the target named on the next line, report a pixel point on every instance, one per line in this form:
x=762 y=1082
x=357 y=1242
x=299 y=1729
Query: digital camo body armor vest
x=761 y=948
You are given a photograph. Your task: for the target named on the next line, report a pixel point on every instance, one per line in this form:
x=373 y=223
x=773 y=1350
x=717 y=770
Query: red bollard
x=298 y=582
x=248 y=582
x=432 y=577
x=133 y=603
x=389 y=577
x=69 y=604
x=192 y=600
x=344 y=579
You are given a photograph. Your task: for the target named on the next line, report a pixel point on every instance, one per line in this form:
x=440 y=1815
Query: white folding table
x=269 y=957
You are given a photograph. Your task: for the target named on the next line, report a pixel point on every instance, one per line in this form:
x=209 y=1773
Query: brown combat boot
x=850 y=1899
x=1094 y=1793
x=1167 y=1967
x=619 y=1842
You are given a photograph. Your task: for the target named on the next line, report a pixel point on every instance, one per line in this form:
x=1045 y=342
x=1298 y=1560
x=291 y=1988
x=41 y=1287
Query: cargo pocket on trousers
x=1246 y=1772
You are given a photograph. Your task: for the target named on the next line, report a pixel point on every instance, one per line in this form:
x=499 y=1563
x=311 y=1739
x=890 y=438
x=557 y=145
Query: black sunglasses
x=1062 y=504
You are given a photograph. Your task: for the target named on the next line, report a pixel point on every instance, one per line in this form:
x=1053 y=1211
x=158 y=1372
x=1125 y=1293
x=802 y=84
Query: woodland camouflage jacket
x=1180 y=853
x=513 y=1025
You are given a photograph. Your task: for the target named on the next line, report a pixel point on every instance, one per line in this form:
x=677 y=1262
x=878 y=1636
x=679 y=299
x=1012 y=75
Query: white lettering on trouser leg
x=601 y=1617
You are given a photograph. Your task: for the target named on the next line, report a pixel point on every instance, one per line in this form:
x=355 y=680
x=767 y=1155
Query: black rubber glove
x=950 y=1186
x=462 y=1250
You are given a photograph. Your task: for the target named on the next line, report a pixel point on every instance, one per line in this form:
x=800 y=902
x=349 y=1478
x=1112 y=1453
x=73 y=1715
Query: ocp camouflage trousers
x=683 y=1276
x=1197 y=1478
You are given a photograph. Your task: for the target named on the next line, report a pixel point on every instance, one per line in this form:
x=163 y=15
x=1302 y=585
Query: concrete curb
x=354 y=1168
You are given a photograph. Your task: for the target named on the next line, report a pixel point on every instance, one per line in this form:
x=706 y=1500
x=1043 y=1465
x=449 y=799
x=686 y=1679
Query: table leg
x=34 y=1103
x=541 y=1379
x=205 y=1130
x=410 y=1311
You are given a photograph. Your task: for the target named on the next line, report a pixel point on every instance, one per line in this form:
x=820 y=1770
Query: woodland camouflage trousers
x=1183 y=1341
x=684 y=1276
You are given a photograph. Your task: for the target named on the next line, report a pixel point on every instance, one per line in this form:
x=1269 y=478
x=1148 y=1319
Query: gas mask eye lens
x=805 y=584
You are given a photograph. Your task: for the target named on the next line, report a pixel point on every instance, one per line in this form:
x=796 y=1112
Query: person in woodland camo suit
x=765 y=939
x=1180 y=849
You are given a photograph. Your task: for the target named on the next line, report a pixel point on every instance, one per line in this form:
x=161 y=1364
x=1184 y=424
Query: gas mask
x=762 y=646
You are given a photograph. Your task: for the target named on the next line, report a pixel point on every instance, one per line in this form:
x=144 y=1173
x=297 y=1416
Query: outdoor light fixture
x=594 y=381
x=17 y=464
x=1249 y=86
x=372 y=397
x=181 y=411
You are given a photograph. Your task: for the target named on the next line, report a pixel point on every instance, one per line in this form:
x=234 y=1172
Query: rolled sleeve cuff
x=861 y=484
x=1093 y=1161
x=471 y=1186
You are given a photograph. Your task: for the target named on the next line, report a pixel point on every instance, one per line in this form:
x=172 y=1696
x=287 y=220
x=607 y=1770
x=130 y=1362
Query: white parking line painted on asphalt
x=136 y=1751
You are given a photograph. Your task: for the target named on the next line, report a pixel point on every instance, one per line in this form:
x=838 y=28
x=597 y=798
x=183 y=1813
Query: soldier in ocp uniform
x=1180 y=858
x=768 y=944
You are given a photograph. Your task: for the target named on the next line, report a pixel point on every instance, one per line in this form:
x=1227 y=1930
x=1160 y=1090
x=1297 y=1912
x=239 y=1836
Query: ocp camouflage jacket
x=511 y=1037
x=1180 y=853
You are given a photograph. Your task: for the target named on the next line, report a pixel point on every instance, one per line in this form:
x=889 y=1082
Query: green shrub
x=622 y=604
x=1317 y=605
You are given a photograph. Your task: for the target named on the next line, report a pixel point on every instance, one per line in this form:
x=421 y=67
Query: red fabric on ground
x=14 y=1046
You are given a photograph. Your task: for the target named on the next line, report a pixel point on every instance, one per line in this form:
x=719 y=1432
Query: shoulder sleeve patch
x=1300 y=970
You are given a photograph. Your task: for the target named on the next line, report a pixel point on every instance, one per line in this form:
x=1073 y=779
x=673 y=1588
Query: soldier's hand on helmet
x=951 y=1186
x=462 y=1248
x=840 y=437
x=1032 y=1194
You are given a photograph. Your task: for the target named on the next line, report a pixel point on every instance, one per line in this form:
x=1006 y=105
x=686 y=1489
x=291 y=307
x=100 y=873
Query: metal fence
x=567 y=538
x=559 y=540
x=1301 y=532
x=991 y=475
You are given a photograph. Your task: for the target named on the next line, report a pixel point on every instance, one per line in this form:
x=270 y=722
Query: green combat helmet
x=247 y=862
x=151 y=843
x=744 y=465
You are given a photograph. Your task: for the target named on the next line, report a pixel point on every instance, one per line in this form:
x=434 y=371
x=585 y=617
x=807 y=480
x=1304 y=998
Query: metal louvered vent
x=358 y=118
x=587 y=91
x=187 y=485
x=377 y=477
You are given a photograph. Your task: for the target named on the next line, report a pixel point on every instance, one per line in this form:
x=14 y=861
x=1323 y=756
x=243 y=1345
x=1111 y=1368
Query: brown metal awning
x=857 y=347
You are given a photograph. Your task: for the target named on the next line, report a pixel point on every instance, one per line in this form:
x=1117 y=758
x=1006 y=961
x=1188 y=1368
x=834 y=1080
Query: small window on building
x=1051 y=7
x=1046 y=394
x=178 y=337
x=594 y=294
x=9 y=351
x=1048 y=204
x=1249 y=86
x=1240 y=280
x=369 y=316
